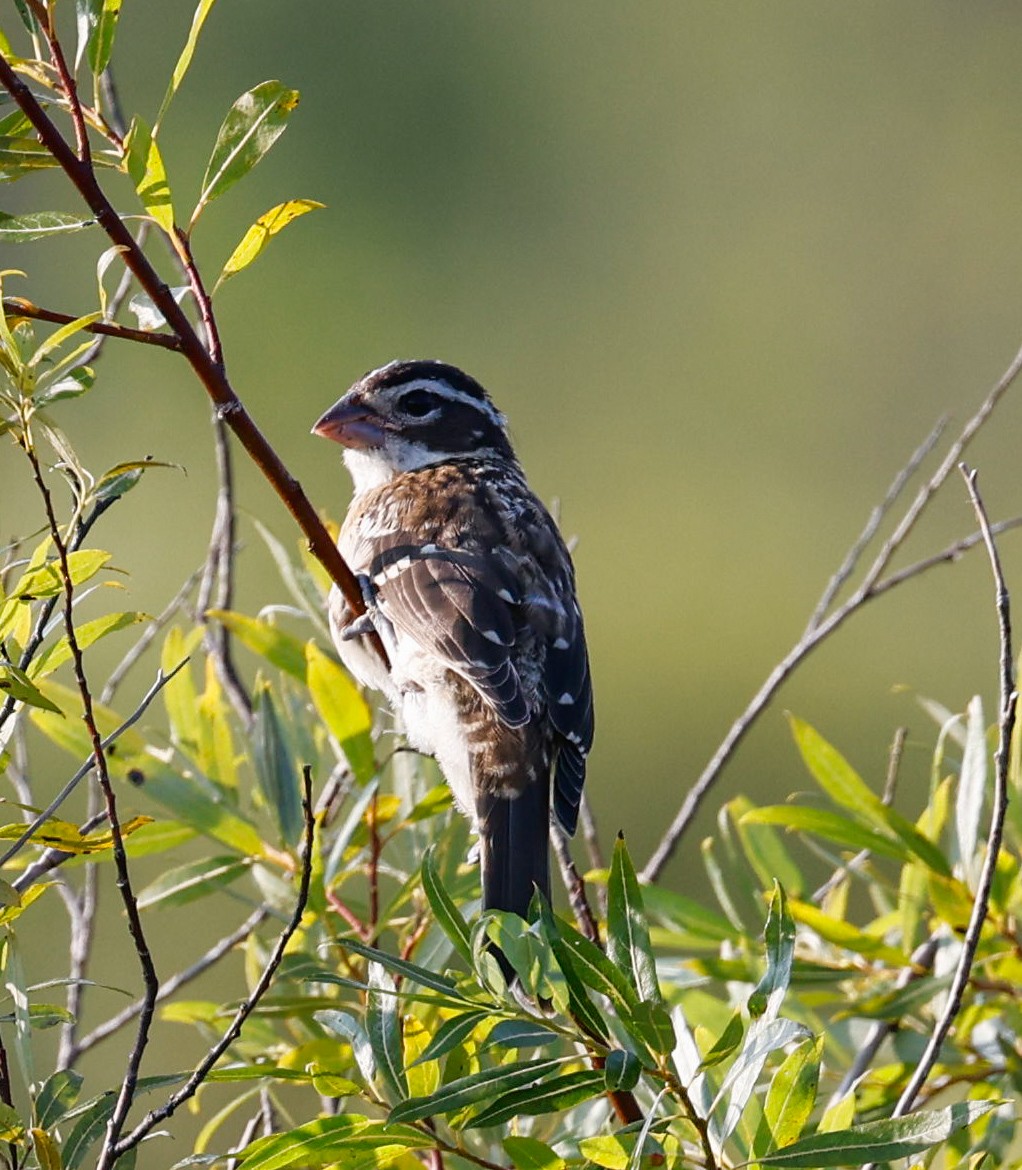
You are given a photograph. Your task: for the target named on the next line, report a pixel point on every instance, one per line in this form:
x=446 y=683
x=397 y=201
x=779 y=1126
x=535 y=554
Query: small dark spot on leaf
x=136 y=776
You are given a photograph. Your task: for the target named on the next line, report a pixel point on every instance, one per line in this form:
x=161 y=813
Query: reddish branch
x=210 y=372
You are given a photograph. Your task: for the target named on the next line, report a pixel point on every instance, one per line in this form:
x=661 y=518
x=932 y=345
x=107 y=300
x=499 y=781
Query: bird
x=471 y=589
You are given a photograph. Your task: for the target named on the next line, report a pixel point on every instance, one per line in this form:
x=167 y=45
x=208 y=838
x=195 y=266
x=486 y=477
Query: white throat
x=373 y=467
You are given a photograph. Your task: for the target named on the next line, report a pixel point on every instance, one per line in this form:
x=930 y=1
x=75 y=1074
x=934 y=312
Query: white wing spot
x=561 y=643
x=505 y=595
x=492 y=636
x=565 y=699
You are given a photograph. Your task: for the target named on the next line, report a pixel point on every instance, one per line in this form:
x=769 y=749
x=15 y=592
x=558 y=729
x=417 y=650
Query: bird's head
x=412 y=414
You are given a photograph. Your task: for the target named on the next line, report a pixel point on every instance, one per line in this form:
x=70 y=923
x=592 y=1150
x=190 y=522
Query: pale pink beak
x=351 y=423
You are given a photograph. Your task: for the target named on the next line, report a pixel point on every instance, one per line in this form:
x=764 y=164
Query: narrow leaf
x=628 y=943
x=880 y=1141
x=383 y=1026
x=275 y=767
x=334 y=1140
x=103 y=17
x=475 y=1087
x=343 y=709
x=450 y=1034
x=780 y=951
x=39 y=225
x=145 y=166
x=792 y=1093
x=253 y=124
x=448 y=916
x=551 y=1096
x=972 y=783
x=262 y=231
x=181 y=68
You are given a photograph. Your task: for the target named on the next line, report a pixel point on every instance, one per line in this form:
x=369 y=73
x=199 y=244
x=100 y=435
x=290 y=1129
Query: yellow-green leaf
x=181 y=68
x=47 y=580
x=262 y=231
x=343 y=710
x=279 y=649
x=145 y=166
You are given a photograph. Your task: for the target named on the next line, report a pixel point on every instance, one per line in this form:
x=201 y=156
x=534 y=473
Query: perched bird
x=472 y=591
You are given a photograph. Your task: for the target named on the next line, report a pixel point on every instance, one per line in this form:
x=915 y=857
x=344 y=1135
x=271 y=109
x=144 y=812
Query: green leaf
x=628 y=944
x=189 y=882
x=518 y=1034
x=20 y=156
x=279 y=649
x=145 y=166
x=564 y=1092
x=621 y=1070
x=476 y=1087
x=406 y=969
x=253 y=124
x=972 y=787
x=181 y=68
x=845 y=787
x=451 y=1033
x=726 y=1042
x=448 y=916
x=580 y=1006
x=383 y=1026
x=39 y=225
x=780 y=951
x=86 y=635
x=832 y=826
x=528 y=1153
x=16 y=684
x=334 y=1140
x=275 y=766
x=880 y=1141
x=261 y=232
x=57 y=1096
x=605 y=1150
x=122 y=477
x=792 y=1093
x=103 y=16
x=47 y=580
x=343 y=709
x=345 y=1025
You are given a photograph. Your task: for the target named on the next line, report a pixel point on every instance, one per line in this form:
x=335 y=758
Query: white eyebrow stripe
x=444 y=389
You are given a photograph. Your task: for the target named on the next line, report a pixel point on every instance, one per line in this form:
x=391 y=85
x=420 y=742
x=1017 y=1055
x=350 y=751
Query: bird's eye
x=419 y=403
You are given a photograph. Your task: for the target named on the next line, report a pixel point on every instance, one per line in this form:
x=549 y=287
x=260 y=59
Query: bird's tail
x=514 y=837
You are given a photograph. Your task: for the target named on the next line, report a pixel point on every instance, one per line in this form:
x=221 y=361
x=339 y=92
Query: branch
x=202 y=1070
x=149 y=978
x=210 y=373
x=59 y=856
x=171 y=985
x=821 y=627
x=19 y=307
x=981 y=904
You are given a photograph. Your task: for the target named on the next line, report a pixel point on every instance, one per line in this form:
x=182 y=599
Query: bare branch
x=202 y=1070
x=171 y=985
x=980 y=906
x=820 y=628
x=19 y=307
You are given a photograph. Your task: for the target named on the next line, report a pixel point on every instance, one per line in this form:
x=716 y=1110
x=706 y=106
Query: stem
x=149 y=978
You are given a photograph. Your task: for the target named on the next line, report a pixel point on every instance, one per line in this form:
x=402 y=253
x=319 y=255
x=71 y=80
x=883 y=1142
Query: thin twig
x=872 y=585
x=155 y=1116
x=981 y=904
x=145 y=640
x=33 y=828
x=149 y=978
x=872 y=526
x=575 y=886
x=171 y=985
x=83 y=907
x=19 y=307
x=44 y=15
x=890 y=784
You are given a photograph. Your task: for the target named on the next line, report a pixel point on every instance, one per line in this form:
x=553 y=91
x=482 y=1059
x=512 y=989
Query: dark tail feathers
x=514 y=837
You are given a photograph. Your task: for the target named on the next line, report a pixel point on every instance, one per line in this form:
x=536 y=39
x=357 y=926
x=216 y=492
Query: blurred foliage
x=777 y=1028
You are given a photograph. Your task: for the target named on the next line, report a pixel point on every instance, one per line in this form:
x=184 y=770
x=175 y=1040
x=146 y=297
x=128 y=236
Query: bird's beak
x=351 y=423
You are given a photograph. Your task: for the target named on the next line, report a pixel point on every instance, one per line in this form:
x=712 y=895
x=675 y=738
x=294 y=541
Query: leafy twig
x=210 y=373
x=873 y=584
x=39 y=867
x=204 y=1067
x=19 y=307
x=1006 y=724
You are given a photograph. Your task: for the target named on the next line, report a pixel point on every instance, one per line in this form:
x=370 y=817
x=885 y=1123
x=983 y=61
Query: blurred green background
x=723 y=265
